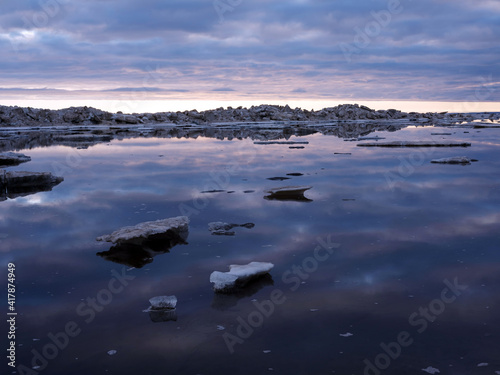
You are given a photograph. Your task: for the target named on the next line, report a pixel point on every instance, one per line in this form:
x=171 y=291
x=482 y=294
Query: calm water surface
x=388 y=247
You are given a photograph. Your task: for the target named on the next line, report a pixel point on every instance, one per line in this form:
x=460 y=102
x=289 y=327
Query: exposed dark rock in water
x=295 y=174
x=288 y=193
x=278 y=178
x=19 y=184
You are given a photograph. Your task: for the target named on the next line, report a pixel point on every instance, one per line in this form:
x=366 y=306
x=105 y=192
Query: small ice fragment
x=163 y=302
x=483 y=364
x=348 y=334
x=313 y=310
x=431 y=370
x=112 y=352
x=36 y=339
x=221 y=328
x=266 y=351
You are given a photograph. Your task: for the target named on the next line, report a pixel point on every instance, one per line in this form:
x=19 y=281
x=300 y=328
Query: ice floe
x=238 y=276
x=142 y=231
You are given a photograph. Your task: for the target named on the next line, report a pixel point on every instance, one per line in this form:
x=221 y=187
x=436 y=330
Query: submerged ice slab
x=175 y=225
x=414 y=144
x=224 y=229
x=454 y=160
x=238 y=276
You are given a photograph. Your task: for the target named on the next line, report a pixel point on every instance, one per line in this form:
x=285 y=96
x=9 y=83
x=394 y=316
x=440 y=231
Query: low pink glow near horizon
x=138 y=106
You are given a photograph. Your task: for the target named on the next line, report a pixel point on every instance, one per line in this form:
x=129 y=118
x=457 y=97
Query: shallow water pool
x=390 y=265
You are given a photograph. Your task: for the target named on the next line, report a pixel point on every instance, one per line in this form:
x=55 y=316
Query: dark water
x=388 y=248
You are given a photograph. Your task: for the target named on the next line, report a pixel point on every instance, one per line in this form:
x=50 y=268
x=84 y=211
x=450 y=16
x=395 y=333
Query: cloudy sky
x=443 y=50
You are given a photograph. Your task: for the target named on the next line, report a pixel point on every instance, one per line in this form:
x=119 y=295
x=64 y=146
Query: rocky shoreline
x=83 y=127
x=30 y=117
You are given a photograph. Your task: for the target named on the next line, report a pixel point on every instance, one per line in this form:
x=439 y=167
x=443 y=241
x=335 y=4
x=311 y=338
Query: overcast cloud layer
x=366 y=49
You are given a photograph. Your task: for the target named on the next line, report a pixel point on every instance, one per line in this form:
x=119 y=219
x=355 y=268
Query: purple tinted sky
x=226 y=49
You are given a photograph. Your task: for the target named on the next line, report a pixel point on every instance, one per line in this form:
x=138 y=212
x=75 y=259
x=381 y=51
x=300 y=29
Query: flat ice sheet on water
x=238 y=275
x=454 y=160
x=144 y=230
x=414 y=144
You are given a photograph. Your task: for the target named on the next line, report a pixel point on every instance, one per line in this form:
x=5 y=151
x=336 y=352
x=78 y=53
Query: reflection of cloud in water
x=436 y=224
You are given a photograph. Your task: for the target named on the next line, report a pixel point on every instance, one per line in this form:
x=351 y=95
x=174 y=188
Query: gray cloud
x=437 y=50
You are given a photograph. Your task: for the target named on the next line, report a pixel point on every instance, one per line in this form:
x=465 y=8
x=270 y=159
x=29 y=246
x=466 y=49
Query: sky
x=439 y=50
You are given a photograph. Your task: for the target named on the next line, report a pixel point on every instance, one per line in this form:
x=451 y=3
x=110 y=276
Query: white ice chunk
x=431 y=370
x=163 y=302
x=238 y=275
x=112 y=352
x=348 y=334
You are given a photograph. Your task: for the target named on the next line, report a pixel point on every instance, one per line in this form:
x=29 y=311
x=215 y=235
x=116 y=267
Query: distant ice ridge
x=238 y=276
